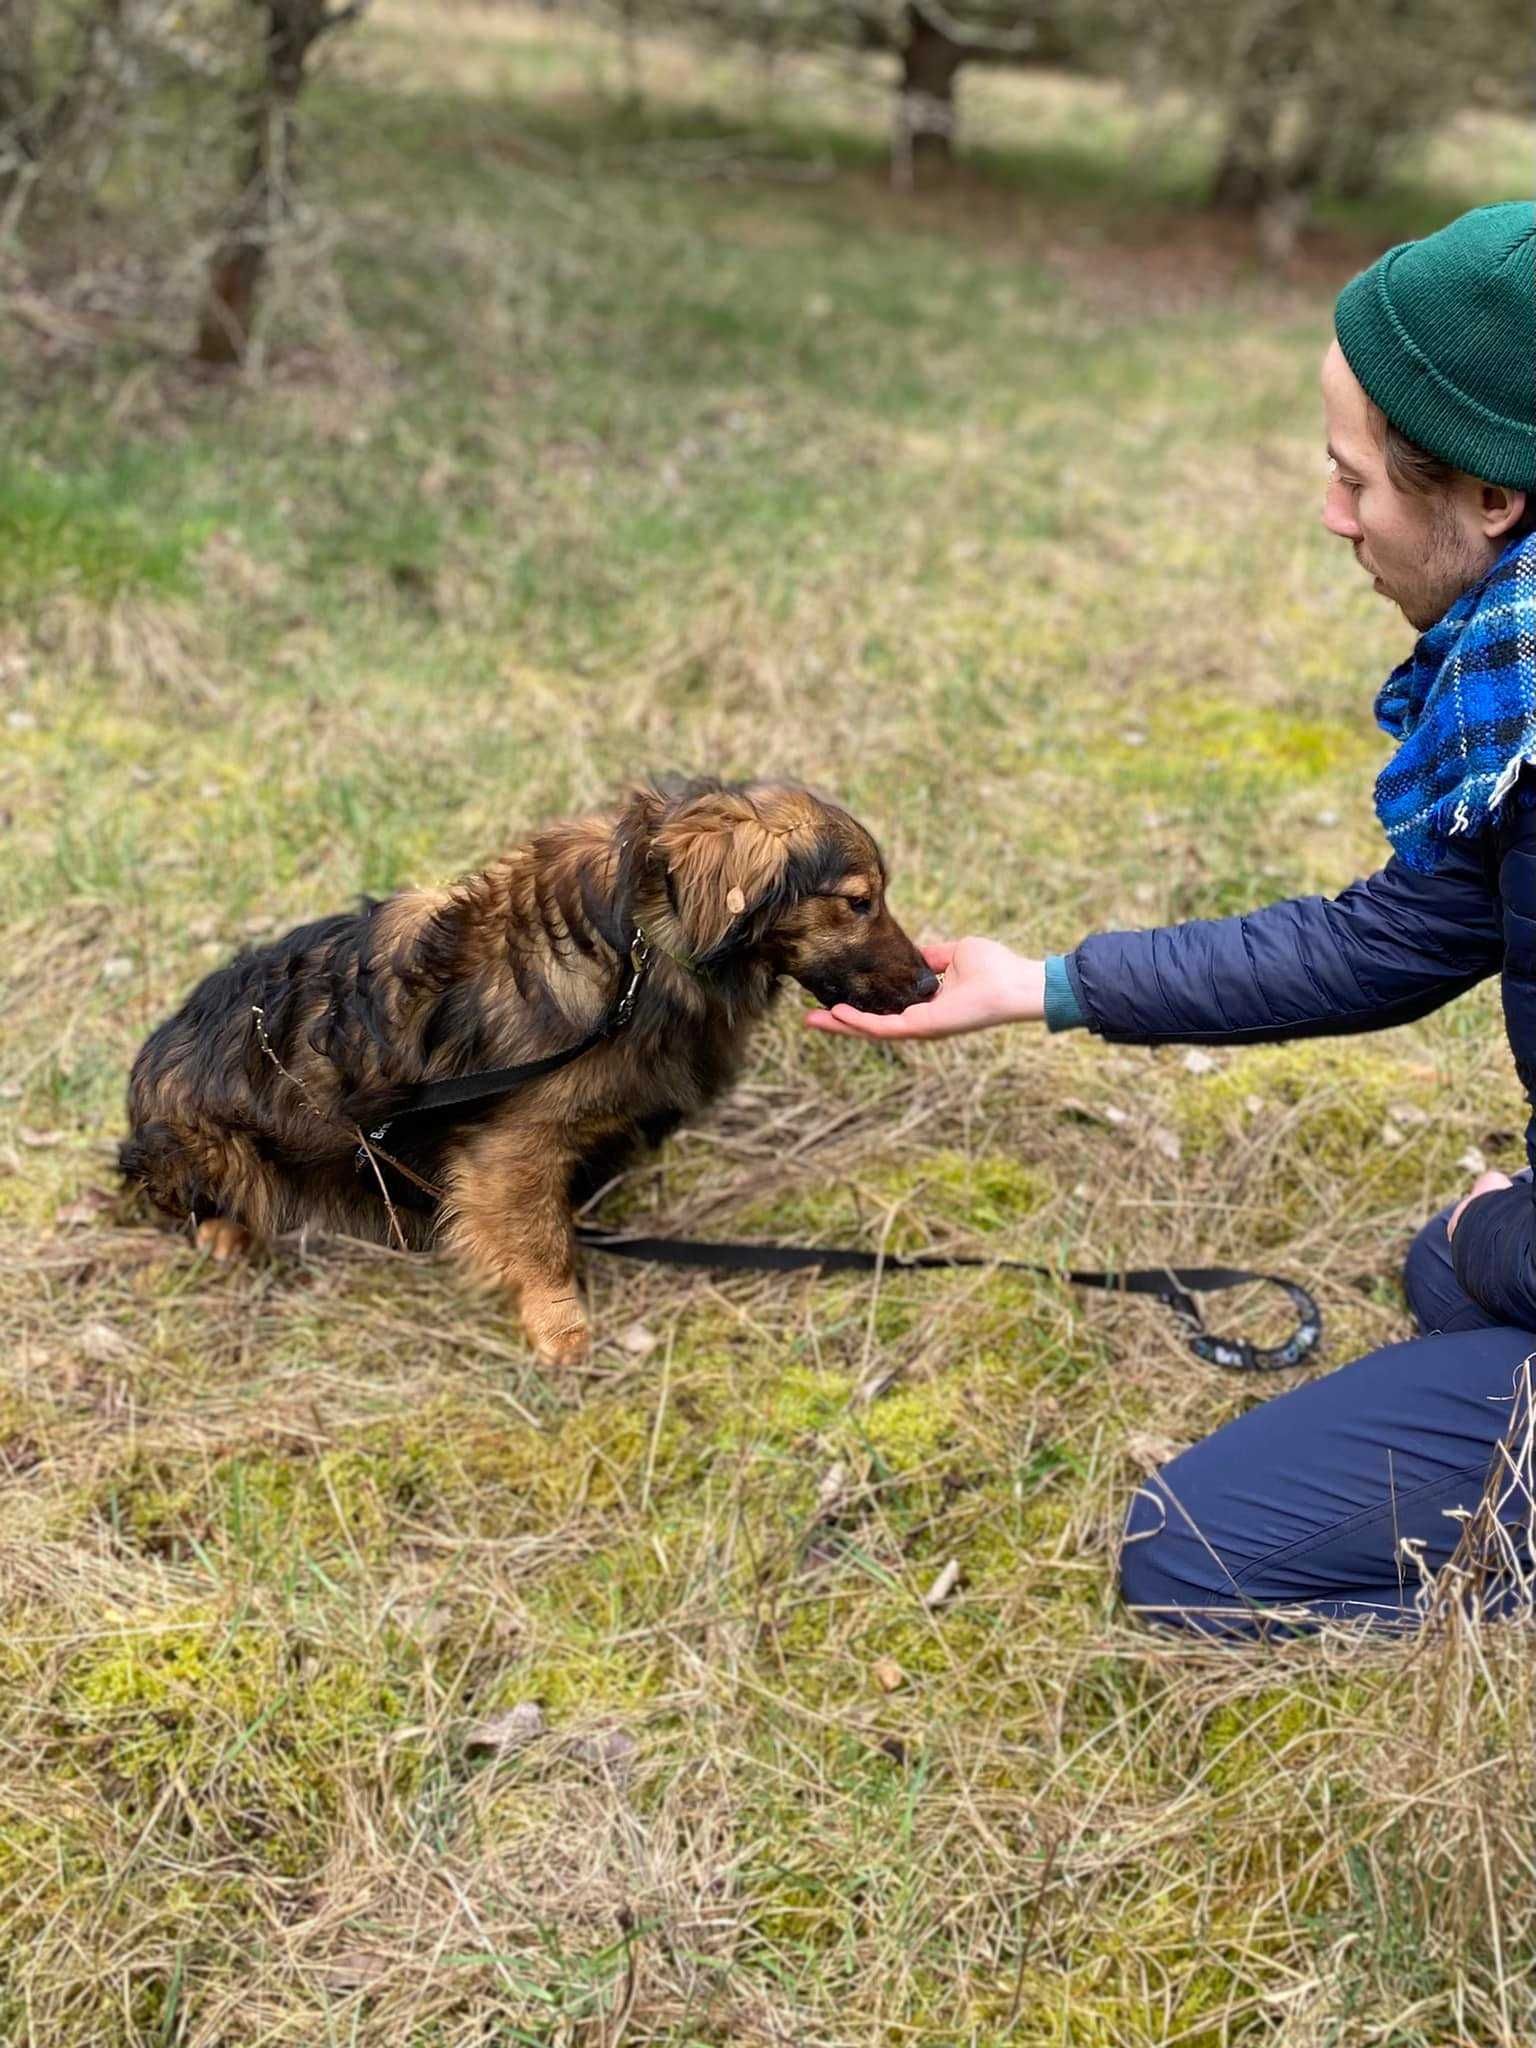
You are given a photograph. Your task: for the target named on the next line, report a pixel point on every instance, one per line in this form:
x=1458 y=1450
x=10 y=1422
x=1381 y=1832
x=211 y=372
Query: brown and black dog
x=248 y=1105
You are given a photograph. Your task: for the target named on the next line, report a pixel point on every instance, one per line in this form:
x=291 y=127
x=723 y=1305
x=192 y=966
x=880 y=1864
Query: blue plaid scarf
x=1463 y=706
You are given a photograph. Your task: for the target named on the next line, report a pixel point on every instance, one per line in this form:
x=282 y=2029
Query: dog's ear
x=725 y=860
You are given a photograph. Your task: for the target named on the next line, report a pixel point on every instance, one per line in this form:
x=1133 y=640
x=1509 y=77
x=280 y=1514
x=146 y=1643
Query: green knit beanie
x=1442 y=334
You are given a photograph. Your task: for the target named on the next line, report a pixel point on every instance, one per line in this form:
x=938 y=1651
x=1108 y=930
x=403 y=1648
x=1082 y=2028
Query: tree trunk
x=925 y=107
x=1247 y=173
x=1242 y=170
x=18 y=83
x=239 y=263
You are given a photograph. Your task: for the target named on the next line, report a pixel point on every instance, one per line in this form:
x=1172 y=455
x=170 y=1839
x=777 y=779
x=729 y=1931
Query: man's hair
x=1414 y=469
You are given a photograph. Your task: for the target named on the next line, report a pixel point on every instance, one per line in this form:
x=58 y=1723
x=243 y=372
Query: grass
x=592 y=440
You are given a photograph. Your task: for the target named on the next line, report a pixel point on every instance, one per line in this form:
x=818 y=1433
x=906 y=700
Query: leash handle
x=1174 y=1287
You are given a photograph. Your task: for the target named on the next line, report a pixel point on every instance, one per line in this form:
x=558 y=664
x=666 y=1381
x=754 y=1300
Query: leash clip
x=639 y=961
x=360 y=1156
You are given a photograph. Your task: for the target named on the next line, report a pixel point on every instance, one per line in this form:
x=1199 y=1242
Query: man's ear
x=722 y=866
x=1502 y=509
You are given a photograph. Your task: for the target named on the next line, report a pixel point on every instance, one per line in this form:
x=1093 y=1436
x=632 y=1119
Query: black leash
x=1173 y=1286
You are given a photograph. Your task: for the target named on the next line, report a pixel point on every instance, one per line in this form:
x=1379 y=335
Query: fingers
x=939 y=953
x=823 y=1020
x=846 y=1022
x=869 y=1024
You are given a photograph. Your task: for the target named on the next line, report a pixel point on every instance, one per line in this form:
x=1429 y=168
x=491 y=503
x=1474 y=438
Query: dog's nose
x=927 y=986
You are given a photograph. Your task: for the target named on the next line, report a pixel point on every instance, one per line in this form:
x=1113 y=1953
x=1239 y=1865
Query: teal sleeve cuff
x=1063 y=1012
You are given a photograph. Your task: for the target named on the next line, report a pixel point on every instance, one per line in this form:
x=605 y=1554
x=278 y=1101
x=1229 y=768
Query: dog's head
x=767 y=873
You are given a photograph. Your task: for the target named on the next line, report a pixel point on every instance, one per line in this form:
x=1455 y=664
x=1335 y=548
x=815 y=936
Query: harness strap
x=459 y=1090
x=1173 y=1286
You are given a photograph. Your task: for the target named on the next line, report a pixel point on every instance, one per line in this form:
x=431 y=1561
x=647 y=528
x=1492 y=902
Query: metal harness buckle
x=639 y=961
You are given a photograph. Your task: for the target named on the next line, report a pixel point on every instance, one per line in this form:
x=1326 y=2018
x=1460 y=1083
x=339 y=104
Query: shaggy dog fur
x=248 y=1107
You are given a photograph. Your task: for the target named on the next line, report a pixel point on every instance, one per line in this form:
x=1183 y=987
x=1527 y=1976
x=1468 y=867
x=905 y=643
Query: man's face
x=1421 y=551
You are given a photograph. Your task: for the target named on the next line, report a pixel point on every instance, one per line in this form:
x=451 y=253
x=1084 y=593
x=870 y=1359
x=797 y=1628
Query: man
x=1301 y=1509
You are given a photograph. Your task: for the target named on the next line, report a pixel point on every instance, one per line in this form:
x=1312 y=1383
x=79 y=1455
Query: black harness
x=462 y=1090
x=1174 y=1287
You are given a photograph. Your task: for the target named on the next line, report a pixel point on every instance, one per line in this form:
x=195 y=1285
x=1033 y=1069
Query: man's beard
x=1451 y=565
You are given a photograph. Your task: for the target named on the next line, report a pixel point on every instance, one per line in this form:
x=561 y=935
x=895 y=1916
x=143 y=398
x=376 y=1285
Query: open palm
x=984 y=983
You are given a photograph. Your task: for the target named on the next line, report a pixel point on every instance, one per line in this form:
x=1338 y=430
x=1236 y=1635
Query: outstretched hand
x=983 y=983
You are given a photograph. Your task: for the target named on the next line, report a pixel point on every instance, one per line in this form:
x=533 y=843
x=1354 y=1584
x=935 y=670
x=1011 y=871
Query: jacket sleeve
x=1389 y=949
x=1494 y=1254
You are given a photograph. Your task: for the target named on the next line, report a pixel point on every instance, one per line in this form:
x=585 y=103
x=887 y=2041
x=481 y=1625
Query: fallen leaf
x=817 y=1555
x=883 y=1376
x=507 y=1732
x=1114 y=1115
x=637 y=1340
x=39 y=1141
x=1198 y=1062
x=943 y=1585
x=1389 y=1132
x=607 y=1749
x=1408 y=1114
x=1165 y=1141
x=354 y=1970
x=118 y=968
x=1150 y=1451
x=830 y=1491
x=103 y=1345
x=87 y=1206
x=1473 y=1162
x=888 y=1674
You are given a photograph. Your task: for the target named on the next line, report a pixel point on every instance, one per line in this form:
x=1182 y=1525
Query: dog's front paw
x=557 y=1329
x=221 y=1239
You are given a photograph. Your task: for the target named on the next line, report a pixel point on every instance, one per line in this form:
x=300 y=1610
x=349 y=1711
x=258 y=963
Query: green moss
x=1254 y=743
x=1333 y=1105
x=244 y=1724
x=900 y=1203
x=1278 y=1733
x=913 y=1425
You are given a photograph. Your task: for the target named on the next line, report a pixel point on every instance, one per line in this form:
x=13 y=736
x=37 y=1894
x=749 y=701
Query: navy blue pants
x=1303 y=1502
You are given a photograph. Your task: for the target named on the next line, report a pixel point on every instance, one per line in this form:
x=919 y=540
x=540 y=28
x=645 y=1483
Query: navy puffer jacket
x=1387 y=950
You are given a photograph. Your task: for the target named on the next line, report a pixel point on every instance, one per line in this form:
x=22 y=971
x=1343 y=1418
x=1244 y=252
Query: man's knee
x=1154 y=1564
x=1171 y=1573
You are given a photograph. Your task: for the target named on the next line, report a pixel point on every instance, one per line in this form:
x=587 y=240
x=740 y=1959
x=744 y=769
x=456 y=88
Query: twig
x=1027 y=1943
x=335 y=1124
x=631 y=1980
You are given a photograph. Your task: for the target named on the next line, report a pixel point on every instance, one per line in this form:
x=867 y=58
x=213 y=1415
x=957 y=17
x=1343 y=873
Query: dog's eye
x=861 y=906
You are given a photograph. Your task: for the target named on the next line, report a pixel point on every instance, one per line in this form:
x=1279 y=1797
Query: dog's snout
x=926 y=987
